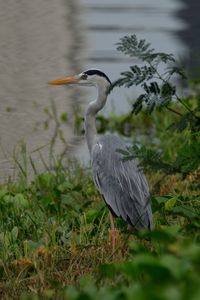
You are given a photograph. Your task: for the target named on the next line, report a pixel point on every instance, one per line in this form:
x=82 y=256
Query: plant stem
x=185 y=105
x=177 y=97
x=174 y=111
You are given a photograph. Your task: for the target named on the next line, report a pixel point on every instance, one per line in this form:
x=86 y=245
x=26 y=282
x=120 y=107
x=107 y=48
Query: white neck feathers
x=90 y=117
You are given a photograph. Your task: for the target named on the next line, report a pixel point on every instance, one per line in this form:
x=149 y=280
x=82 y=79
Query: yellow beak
x=66 y=80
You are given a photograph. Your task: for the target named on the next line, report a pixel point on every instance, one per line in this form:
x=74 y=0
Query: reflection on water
x=36 y=44
x=41 y=40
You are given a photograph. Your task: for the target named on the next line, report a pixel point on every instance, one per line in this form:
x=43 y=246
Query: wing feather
x=122 y=183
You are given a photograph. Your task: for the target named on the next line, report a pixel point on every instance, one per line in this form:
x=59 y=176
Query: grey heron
x=121 y=182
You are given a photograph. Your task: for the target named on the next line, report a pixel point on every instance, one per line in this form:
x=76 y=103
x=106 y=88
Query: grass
x=55 y=241
x=50 y=229
x=55 y=229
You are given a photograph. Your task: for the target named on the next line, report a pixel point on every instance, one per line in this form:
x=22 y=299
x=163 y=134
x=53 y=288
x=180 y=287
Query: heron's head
x=91 y=77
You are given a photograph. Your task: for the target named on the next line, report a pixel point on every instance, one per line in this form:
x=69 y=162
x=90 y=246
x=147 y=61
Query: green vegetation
x=155 y=76
x=54 y=231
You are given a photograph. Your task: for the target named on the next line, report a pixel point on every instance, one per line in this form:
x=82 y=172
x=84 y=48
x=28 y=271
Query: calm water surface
x=45 y=39
x=37 y=39
x=108 y=21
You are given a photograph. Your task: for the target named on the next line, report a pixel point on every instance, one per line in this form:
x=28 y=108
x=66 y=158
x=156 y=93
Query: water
x=108 y=21
x=44 y=39
x=37 y=39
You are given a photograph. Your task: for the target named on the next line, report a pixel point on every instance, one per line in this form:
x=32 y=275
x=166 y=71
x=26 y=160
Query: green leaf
x=146 y=264
x=14 y=233
x=185 y=211
x=92 y=214
x=3 y=192
x=169 y=204
x=177 y=267
x=20 y=201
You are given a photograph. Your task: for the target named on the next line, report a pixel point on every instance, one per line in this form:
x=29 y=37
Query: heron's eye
x=84 y=76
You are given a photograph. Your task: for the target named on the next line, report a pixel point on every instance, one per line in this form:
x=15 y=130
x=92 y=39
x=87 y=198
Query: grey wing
x=122 y=184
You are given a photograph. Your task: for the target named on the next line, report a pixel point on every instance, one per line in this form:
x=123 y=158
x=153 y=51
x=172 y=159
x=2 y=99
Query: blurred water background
x=45 y=39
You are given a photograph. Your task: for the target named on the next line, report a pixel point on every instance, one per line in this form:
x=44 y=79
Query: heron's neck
x=90 y=117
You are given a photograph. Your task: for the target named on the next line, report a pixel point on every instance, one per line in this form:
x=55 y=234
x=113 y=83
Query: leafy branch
x=155 y=74
x=187 y=158
x=158 y=88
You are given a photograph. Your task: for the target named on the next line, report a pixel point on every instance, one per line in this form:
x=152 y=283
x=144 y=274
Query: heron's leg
x=113 y=232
